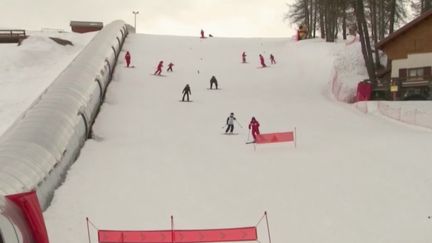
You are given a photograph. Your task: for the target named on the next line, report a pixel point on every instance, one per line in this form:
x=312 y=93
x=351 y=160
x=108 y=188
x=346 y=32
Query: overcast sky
x=231 y=18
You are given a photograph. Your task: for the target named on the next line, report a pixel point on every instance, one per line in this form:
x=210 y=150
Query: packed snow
x=352 y=177
x=26 y=70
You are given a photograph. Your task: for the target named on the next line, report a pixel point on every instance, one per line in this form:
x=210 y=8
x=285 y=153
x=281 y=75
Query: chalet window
x=415 y=72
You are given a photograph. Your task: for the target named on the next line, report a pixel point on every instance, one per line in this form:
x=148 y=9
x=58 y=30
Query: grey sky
x=233 y=18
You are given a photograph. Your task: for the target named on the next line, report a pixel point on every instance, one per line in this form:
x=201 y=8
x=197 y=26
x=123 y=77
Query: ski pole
x=239 y=124
x=224 y=126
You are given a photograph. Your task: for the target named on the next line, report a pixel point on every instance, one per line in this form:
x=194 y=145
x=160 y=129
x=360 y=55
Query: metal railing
x=12 y=33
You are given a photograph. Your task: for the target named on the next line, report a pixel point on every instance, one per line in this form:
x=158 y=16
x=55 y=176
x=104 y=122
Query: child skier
x=186 y=92
x=159 y=68
x=254 y=125
x=244 y=57
x=127 y=58
x=262 y=61
x=272 y=59
x=230 y=123
x=213 y=81
x=170 y=65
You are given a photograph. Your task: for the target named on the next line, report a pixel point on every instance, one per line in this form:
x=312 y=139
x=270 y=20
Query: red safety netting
x=275 y=137
x=178 y=236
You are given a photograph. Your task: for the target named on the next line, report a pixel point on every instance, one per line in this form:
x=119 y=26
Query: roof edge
x=403 y=29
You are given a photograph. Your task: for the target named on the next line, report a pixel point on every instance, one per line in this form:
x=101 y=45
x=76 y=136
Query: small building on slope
x=410 y=51
x=85 y=26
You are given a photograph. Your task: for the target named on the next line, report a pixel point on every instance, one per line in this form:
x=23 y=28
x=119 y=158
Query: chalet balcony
x=12 y=36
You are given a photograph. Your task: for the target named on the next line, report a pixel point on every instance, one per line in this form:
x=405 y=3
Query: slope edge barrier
x=339 y=92
x=37 y=150
x=409 y=116
x=345 y=94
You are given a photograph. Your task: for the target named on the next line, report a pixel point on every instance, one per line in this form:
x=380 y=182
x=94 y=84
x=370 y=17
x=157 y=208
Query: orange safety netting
x=178 y=236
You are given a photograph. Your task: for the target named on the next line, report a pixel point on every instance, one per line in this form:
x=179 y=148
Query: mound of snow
x=349 y=69
x=27 y=70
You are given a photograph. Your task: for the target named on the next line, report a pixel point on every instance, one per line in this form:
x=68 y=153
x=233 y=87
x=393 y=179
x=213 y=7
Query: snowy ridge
x=36 y=151
x=27 y=70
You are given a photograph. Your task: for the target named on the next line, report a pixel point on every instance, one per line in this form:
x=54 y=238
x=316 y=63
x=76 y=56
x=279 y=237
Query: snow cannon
x=364 y=90
x=302 y=32
x=21 y=219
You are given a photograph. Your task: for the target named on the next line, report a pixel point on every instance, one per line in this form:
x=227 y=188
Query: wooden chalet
x=410 y=51
x=85 y=26
x=12 y=36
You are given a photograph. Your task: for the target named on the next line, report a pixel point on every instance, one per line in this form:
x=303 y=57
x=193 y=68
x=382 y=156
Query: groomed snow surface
x=352 y=177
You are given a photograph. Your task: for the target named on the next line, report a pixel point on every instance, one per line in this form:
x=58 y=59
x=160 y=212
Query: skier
x=213 y=81
x=254 y=125
x=262 y=61
x=159 y=68
x=186 y=92
x=272 y=59
x=202 y=34
x=230 y=123
x=244 y=57
x=170 y=65
x=127 y=58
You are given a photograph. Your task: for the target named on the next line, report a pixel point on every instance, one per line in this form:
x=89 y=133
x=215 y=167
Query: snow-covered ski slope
x=352 y=178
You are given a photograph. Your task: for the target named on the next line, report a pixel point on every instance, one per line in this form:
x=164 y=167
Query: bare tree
x=364 y=38
x=421 y=6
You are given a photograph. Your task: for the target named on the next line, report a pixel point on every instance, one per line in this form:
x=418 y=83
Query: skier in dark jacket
x=213 y=81
x=272 y=59
x=170 y=65
x=230 y=123
x=244 y=57
x=186 y=92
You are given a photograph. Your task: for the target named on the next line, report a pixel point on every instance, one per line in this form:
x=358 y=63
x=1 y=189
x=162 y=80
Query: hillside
x=352 y=177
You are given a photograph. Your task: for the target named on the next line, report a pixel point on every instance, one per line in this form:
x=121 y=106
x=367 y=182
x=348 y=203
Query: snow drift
x=36 y=151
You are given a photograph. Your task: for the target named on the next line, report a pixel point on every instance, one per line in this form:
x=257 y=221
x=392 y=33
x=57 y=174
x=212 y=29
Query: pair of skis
x=233 y=133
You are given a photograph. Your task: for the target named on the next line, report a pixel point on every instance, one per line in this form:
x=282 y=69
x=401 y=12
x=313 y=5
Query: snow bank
x=27 y=70
x=40 y=146
x=349 y=69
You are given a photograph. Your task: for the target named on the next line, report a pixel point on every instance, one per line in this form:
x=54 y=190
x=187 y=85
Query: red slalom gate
x=276 y=137
x=178 y=236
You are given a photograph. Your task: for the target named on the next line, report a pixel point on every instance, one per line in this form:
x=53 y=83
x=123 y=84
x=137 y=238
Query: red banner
x=178 y=236
x=275 y=137
x=29 y=204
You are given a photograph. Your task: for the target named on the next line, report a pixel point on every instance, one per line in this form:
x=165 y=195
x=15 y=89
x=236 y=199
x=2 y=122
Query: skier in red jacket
x=254 y=125
x=262 y=61
x=202 y=34
x=244 y=57
x=170 y=65
x=127 y=58
x=159 y=68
